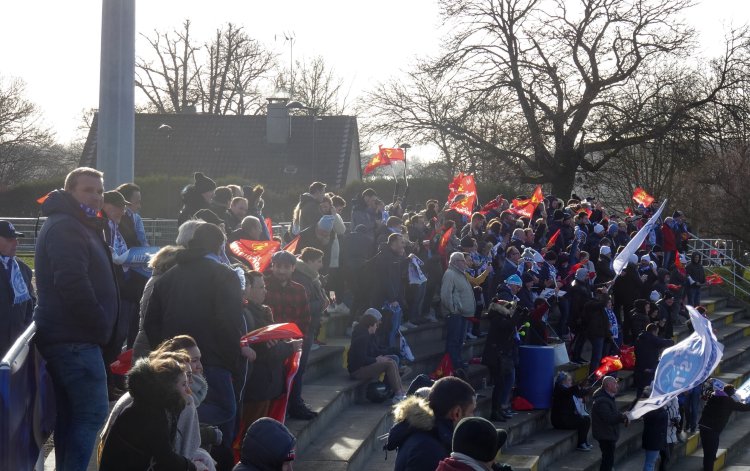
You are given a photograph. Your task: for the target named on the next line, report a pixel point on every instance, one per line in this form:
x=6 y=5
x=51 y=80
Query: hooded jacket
x=192 y=202
x=78 y=299
x=694 y=268
x=422 y=439
x=202 y=298
x=265 y=447
x=143 y=434
x=316 y=295
x=307 y=213
x=501 y=337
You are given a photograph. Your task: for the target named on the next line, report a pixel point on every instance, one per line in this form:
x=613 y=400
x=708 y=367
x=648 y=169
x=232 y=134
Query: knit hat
x=477 y=438
x=605 y=250
x=267 y=444
x=558 y=215
x=598 y=229
x=633 y=259
x=527 y=278
x=326 y=223
x=283 y=257
x=208 y=216
x=467 y=242
x=654 y=296
x=222 y=195
x=203 y=184
x=513 y=280
x=582 y=274
x=645 y=258
x=374 y=313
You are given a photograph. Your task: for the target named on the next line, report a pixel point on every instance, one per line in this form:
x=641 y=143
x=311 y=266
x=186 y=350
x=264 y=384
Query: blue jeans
x=219 y=408
x=80 y=382
x=694 y=295
x=650 y=462
x=398 y=313
x=454 y=338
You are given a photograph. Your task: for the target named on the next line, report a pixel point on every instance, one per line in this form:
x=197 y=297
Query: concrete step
x=733 y=448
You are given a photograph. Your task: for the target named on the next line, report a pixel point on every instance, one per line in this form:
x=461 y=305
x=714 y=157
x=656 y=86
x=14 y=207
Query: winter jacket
x=638 y=318
x=201 y=298
x=627 y=286
x=14 y=318
x=192 y=202
x=316 y=296
x=564 y=410
x=717 y=410
x=668 y=241
x=142 y=436
x=648 y=347
x=421 y=438
x=307 y=211
x=266 y=380
x=694 y=268
x=78 y=299
x=501 y=340
x=358 y=247
x=309 y=238
x=456 y=294
x=459 y=462
x=595 y=320
x=390 y=269
x=605 y=418
x=604 y=271
x=361 y=214
x=364 y=349
x=655 y=429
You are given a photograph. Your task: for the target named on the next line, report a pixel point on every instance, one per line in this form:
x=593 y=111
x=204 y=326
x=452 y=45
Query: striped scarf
x=20 y=290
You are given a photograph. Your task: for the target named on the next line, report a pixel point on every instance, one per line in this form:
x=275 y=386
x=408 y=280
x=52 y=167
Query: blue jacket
x=422 y=439
x=78 y=300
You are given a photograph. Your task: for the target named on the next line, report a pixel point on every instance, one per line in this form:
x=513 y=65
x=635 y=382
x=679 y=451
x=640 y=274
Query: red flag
x=714 y=279
x=444 y=241
x=678 y=262
x=269 y=225
x=445 y=368
x=629 y=211
x=641 y=197
x=607 y=365
x=493 y=204
x=292 y=246
x=527 y=207
x=553 y=239
x=257 y=253
x=463 y=184
x=393 y=153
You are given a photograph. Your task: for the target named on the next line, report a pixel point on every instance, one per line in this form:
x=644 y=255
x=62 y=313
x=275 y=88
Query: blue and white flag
x=682 y=366
x=743 y=392
x=621 y=261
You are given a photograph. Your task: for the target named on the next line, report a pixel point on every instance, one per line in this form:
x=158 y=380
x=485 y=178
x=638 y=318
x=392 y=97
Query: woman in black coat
x=654 y=437
x=141 y=437
x=565 y=414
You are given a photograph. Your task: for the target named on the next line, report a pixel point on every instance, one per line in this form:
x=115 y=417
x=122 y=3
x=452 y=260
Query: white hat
x=605 y=250
x=645 y=258
x=655 y=296
x=633 y=259
x=598 y=229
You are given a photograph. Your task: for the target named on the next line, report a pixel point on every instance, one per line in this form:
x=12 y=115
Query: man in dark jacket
x=714 y=418
x=363 y=211
x=648 y=347
x=424 y=429
x=500 y=355
x=307 y=212
x=77 y=310
x=17 y=296
x=606 y=420
x=390 y=265
x=196 y=196
x=358 y=248
x=202 y=297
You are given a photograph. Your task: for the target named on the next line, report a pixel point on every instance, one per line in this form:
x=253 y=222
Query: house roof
x=236 y=146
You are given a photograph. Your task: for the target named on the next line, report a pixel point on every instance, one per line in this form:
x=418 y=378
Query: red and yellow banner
x=641 y=197
x=527 y=207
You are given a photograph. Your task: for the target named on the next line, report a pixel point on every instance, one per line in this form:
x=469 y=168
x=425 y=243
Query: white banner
x=635 y=243
x=683 y=366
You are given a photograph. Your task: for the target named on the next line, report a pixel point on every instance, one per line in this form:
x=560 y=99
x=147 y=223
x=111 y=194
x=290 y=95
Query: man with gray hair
x=606 y=420
x=250 y=229
x=458 y=304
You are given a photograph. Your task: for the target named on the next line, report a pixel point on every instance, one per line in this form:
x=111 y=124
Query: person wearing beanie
x=321 y=236
x=714 y=418
x=221 y=198
x=307 y=212
x=476 y=443
x=196 y=196
x=580 y=293
x=458 y=304
x=268 y=446
x=255 y=205
x=508 y=291
x=603 y=265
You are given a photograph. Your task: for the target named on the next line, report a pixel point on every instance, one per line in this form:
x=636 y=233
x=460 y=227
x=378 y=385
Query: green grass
x=27 y=258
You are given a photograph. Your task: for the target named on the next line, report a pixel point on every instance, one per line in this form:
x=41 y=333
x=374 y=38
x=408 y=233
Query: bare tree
x=562 y=76
x=223 y=76
x=317 y=85
x=24 y=139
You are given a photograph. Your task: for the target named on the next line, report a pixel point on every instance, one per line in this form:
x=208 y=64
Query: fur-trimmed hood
x=414 y=417
x=165 y=259
x=416 y=412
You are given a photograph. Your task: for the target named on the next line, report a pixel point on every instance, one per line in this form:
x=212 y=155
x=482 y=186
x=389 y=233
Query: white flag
x=622 y=259
x=683 y=366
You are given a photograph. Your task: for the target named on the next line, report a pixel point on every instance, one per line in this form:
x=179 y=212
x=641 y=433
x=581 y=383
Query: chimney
x=277 y=121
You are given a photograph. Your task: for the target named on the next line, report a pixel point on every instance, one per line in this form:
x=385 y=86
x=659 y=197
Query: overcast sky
x=53 y=45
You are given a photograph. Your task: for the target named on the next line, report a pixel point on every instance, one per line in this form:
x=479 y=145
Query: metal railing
x=159 y=232
x=27 y=405
x=720 y=257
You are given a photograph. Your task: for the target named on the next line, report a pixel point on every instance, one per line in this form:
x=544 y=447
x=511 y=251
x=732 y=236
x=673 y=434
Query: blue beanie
x=513 y=280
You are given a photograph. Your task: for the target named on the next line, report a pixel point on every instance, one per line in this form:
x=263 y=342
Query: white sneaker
x=470 y=336
x=410 y=325
x=342 y=308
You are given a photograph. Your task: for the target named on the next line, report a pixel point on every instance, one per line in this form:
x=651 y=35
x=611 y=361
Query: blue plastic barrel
x=536 y=374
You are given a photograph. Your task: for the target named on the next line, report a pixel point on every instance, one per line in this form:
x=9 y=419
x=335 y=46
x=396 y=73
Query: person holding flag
x=605 y=421
x=715 y=416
